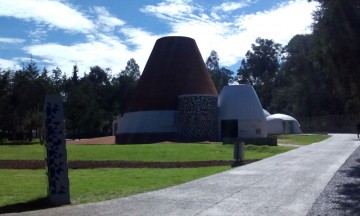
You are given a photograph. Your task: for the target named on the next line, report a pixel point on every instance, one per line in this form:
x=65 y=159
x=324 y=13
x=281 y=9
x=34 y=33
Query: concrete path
x=341 y=196
x=286 y=184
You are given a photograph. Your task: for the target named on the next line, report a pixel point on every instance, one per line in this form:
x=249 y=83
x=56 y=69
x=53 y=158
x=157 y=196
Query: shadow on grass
x=37 y=204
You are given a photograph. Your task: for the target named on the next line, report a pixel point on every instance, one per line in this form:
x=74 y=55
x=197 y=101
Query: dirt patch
x=22 y=164
x=98 y=140
x=38 y=164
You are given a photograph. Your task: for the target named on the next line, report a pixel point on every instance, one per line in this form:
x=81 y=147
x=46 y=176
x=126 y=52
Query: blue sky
x=107 y=33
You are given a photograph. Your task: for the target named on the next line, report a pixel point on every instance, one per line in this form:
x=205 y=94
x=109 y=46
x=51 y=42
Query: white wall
x=148 y=122
x=276 y=123
x=275 y=126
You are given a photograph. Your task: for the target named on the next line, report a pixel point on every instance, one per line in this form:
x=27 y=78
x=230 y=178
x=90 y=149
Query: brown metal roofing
x=175 y=67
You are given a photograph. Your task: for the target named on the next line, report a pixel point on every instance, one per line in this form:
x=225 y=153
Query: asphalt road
x=286 y=184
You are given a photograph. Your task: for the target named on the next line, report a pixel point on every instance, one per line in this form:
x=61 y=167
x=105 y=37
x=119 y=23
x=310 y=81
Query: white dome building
x=266 y=113
x=282 y=124
x=240 y=113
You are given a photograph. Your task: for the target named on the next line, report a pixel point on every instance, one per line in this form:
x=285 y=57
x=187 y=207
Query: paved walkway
x=286 y=184
x=341 y=196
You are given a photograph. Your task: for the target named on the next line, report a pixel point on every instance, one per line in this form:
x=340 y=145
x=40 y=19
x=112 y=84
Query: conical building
x=175 y=69
x=240 y=113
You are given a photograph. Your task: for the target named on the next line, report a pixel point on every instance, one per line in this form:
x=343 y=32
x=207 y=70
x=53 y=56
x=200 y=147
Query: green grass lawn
x=153 y=152
x=91 y=185
x=301 y=139
x=125 y=182
x=146 y=152
x=18 y=186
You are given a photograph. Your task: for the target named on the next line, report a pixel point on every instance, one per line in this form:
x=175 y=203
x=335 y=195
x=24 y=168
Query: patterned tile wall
x=198 y=117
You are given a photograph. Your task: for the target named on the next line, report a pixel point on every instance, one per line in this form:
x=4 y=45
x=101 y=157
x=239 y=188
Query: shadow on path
x=342 y=194
x=37 y=204
x=350 y=191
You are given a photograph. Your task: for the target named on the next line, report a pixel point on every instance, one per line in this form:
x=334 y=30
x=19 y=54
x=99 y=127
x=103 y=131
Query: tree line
x=91 y=102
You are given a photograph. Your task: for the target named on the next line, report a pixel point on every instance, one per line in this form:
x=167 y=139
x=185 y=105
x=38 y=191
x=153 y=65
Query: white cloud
x=84 y=55
x=53 y=13
x=12 y=64
x=106 y=21
x=102 y=50
x=232 y=39
x=231 y=6
x=281 y=23
x=169 y=9
x=11 y=40
x=38 y=34
x=142 y=41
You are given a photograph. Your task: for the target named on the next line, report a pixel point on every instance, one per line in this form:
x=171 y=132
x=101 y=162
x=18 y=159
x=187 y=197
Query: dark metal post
x=56 y=160
x=238 y=152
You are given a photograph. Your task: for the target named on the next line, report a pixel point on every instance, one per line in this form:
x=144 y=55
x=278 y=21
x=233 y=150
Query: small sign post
x=238 y=152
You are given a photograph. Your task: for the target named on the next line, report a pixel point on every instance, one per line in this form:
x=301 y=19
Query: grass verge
x=146 y=152
x=301 y=139
x=262 y=152
x=18 y=186
x=91 y=185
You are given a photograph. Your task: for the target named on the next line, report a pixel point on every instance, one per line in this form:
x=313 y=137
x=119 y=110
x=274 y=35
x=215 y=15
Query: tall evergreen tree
x=220 y=76
x=27 y=99
x=57 y=81
x=98 y=76
x=132 y=69
x=6 y=107
x=337 y=48
x=75 y=77
x=306 y=86
x=125 y=82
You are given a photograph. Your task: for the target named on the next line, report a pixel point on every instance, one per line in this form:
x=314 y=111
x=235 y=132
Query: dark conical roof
x=175 y=67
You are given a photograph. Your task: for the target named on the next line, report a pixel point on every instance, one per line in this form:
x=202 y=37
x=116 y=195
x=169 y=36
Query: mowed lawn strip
x=17 y=186
x=91 y=185
x=150 y=152
x=22 y=152
x=146 y=152
x=301 y=139
x=125 y=182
